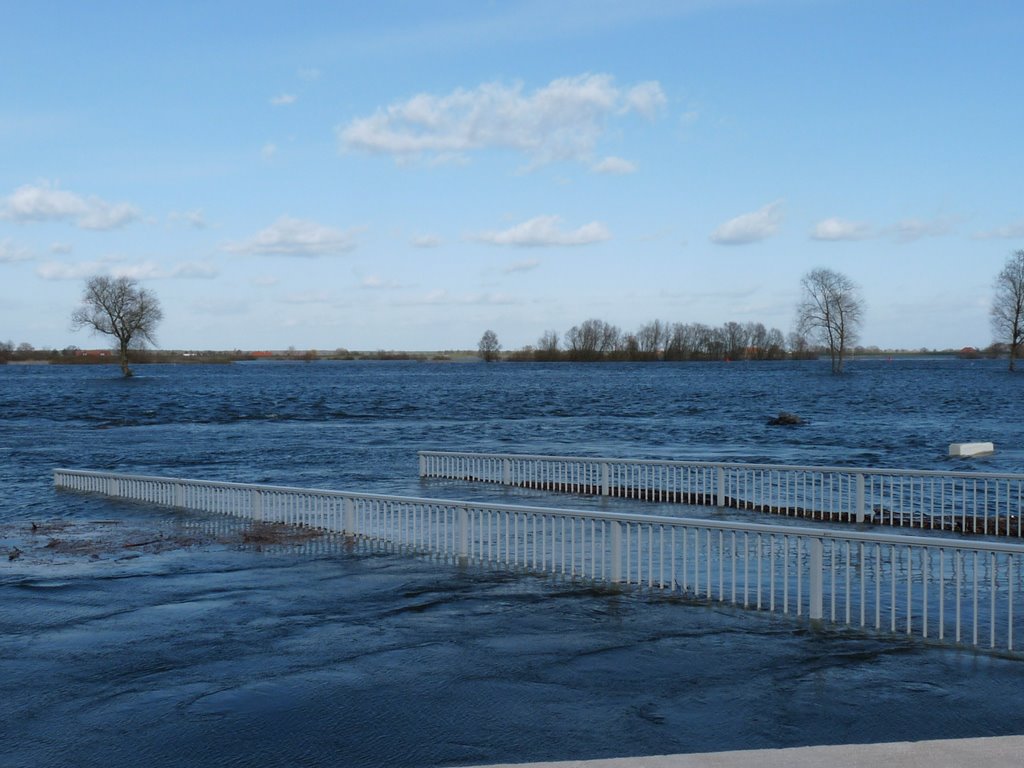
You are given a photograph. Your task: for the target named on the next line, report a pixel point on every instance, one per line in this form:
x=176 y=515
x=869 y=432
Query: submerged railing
x=944 y=590
x=962 y=502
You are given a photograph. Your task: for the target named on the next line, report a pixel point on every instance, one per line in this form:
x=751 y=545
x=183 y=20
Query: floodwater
x=131 y=635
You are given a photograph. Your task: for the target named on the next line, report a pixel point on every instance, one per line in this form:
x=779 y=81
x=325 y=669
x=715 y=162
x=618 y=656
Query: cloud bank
x=527 y=265
x=45 y=201
x=195 y=218
x=1010 y=231
x=834 y=229
x=564 y=120
x=910 y=230
x=425 y=241
x=543 y=231
x=295 y=237
x=615 y=166
x=146 y=270
x=750 y=227
x=9 y=252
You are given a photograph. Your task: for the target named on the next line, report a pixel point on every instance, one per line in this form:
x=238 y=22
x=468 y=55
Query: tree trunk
x=125 y=370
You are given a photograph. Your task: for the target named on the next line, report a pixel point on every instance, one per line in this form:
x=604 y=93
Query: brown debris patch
x=63 y=541
x=277 y=533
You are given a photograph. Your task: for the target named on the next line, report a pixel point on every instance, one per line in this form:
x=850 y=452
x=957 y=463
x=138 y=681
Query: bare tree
x=1008 y=305
x=774 y=345
x=592 y=340
x=651 y=339
x=736 y=342
x=832 y=309
x=119 y=307
x=547 y=347
x=489 y=346
x=679 y=342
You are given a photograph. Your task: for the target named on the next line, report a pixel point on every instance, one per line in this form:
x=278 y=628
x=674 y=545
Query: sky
x=406 y=175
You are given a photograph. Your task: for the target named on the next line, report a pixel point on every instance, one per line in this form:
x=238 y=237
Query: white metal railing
x=946 y=590
x=964 y=502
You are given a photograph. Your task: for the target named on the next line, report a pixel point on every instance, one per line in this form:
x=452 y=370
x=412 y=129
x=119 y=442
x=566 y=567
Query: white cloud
x=840 y=229
x=1010 y=231
x=376 y=282
x=115 y=267
x=267 y=280
x=522 y=266
x=909 y=230
x=689 y=117
x=309 y=73
x=614 y=165
x=268 y=150
x=60 y=248
x=646 y=98
x=9 y=252
x=563 y=120
x=426 y=241
x=750 y=227
x=104 y=216
x=148 y=270
x=295 y=237
x=194 y=218
x=56 y=270
x=45 y=201
x=284 y=99
x=543 y=231
x=41 y=202
x=194 y=269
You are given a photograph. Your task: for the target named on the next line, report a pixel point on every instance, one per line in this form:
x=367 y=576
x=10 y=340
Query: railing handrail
x=890 y=471
x=935 y=542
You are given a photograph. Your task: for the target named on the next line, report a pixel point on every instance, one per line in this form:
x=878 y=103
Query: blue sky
x=405 y=175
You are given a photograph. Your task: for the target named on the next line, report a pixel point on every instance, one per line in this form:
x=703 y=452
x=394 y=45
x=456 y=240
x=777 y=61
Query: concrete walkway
x=993 y=752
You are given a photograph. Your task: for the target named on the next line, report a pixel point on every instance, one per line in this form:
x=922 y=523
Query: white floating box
x=971 y=449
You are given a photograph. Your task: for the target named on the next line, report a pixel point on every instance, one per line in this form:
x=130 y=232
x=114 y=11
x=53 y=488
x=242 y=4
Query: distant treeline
x=595 y=340
x=26 y=353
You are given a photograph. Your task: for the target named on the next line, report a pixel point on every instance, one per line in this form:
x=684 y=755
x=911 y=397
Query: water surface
x=136 y=640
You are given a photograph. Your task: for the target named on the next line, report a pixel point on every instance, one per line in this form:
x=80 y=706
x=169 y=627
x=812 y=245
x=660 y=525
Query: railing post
x=256 y=505
x=423 y=465
x=817 y=578
x=720 y=483
x=113 y=486
x=463 y=534
x=179 y=495
x=861 y=504
x=605 y=478
x=616 y=553
x=349 y=508
x=506 y=472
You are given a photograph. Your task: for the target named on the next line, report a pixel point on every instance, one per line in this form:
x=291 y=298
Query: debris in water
x=786 y=419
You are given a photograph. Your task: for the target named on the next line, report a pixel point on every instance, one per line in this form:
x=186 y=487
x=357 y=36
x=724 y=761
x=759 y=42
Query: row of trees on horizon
x=829 y=315
x=596 y=339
